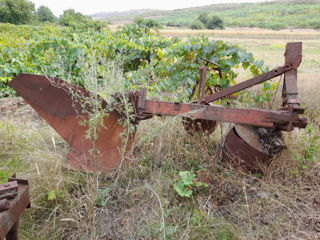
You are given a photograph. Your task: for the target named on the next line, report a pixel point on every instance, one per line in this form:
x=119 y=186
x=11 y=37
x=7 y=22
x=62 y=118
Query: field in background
x=278 y=14
x=267 y=45
x=139 y=202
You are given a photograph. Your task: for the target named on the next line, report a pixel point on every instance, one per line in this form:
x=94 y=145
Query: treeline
x=24 y=12
x=272 y=15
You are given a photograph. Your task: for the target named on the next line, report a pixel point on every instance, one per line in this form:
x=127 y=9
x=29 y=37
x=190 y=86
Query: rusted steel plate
x=54 y=101
x=240 y=153
x=290 y=87
x=255 y=117
x=249 y=135
x=213 y=113
x=10 y=218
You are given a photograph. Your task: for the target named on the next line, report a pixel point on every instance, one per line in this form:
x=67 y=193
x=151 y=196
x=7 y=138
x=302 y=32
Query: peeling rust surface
x=249 y=135
x=4 y=205
x=39 y=91
x=244 y=152
x=54 y=101
x=8 y=190
x=9 y=219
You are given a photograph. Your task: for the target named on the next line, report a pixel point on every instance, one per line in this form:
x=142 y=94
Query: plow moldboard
x=54 y=102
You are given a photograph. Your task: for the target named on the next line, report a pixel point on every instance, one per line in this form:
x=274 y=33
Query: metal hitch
x=15 y=199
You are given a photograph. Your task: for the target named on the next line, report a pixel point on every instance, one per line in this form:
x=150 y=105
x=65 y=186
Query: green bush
x=196 y=24
x=215 y=22
x=147 y=23
x=204 y=21
x=45 y=14
x=204 y=18
x=148 y=59
x=16 y=11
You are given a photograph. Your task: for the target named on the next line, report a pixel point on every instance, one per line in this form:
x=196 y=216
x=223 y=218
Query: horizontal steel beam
x=254 y=117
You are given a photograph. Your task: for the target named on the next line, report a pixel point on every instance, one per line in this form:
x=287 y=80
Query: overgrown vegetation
x=17 y=11
x=158 y=63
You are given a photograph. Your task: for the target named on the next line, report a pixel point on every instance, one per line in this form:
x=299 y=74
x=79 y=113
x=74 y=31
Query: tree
x=149 y=23
x=78 y=21
x=204 y=18
x=139 y=21
x=71 y=17
x=197 y=24
x=16 y=11
x=45 y=14
x=215 y=22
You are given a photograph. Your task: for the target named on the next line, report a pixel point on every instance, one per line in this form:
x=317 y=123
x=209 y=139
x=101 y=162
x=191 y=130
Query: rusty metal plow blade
x=54 y=100
x=63 y=112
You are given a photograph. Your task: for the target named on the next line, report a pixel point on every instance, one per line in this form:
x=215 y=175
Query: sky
x=88 y=7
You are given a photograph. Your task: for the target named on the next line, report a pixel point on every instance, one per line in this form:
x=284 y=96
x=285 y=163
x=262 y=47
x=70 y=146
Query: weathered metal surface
x=246 y=84
x=290 y=88
x=13 y=178
x=202 y=82
x=55 y=102
x=4 y=205
x=8 y=190
x=285 y=119
x=59 y=104
x=13 y=233
x=249 y=135
x=9 y=219
x=254 y=117
x=244 y=151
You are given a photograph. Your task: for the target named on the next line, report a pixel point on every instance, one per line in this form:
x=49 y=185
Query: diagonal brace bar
x=253 y=81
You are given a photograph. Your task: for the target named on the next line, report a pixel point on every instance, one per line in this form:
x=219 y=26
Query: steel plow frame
x=62 y=111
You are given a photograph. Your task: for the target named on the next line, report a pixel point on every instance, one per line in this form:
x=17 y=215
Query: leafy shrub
x=149 y=23
x=204 y=18
x=45 y=14
x=158 y=63
x=186 y=185
x=215 y=22
x=196 y=24
x=204 y=21
x=309 y=149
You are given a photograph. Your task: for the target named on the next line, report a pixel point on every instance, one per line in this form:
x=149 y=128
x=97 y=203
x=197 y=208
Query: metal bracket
x=8 y=190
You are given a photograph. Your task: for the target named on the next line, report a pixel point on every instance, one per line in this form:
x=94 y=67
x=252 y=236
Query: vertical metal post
x=202 y=82
x=290 y=88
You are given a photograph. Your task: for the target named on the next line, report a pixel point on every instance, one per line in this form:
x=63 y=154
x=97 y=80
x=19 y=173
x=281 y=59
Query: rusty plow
x=245 y=145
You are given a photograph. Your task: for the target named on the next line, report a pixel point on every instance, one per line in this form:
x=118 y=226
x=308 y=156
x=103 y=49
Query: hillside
x=275 y=14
